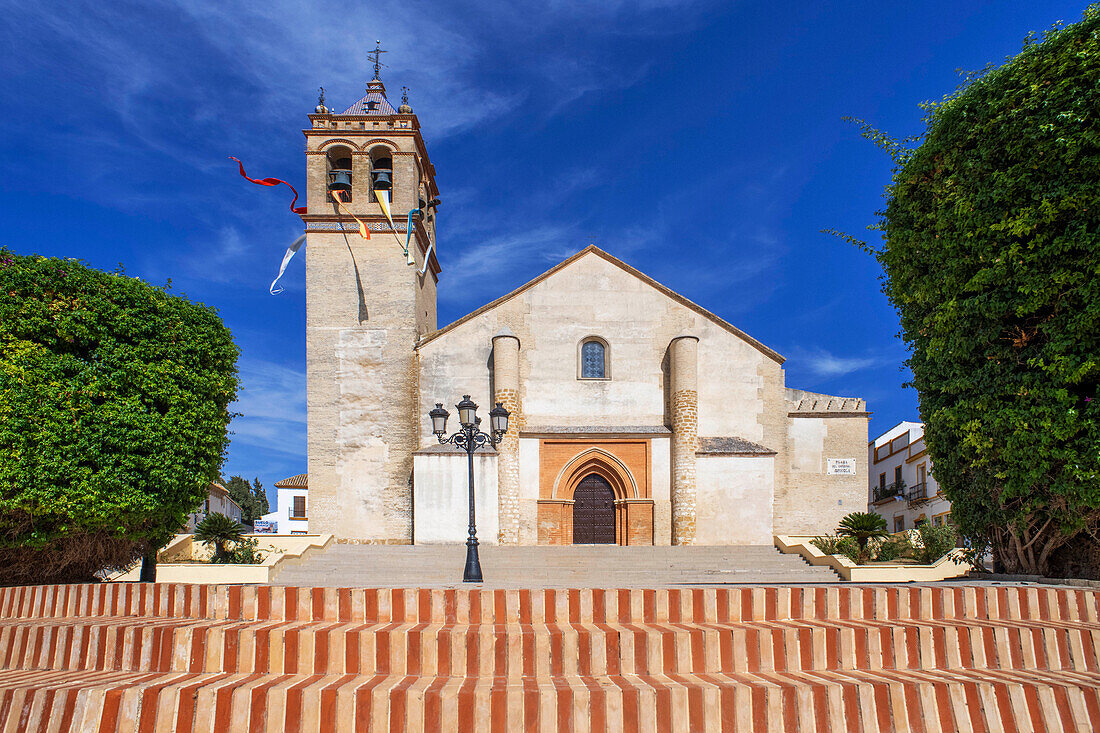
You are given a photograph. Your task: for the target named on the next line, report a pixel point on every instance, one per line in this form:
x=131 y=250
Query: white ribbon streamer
x=297 y=245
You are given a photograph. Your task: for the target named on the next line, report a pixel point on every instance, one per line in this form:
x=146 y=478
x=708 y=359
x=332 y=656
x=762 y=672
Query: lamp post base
x=472 y=573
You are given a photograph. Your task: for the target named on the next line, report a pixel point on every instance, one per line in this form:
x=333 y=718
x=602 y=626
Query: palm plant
x=863 y=527
x=219 y=529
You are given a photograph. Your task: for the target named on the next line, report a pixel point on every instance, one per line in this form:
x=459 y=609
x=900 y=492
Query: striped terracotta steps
x=836 y=658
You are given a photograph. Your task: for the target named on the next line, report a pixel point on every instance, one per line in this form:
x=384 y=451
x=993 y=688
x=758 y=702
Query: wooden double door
x=593 y=512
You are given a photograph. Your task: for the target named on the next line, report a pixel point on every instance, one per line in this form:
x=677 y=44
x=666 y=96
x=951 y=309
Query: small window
x=299 y=507
x=899 y=524
x=897 y=475
x=594 y=359
x=882 y=481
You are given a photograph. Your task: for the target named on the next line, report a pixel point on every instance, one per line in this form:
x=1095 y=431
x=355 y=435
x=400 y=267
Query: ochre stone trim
x=508 y=511
x=634 y=508
x=685 y=443
x=601 y=462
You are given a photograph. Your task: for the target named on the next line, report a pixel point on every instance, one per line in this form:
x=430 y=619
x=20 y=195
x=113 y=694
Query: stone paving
x=575 y=566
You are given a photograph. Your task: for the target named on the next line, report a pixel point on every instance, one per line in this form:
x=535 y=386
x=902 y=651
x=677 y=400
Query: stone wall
x=815 y=501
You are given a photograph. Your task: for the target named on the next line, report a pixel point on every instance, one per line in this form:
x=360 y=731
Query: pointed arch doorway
x=593 y=512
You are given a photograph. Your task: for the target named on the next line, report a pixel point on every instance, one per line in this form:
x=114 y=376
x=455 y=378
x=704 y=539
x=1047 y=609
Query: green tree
x=114 y=405
x=935 y=541
x=991 y=254
x=251 y=498
x=220 y=530
x=862 y=527
x=260 y=496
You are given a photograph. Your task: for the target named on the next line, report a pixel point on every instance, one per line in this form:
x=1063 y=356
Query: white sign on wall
x=841 y=466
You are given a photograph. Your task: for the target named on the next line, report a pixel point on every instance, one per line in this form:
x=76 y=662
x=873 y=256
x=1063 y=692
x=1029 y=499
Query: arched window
x=593 y=359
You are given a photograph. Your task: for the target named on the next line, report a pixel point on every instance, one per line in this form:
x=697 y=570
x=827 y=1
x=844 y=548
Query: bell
x=339 y=180
x=382 y=180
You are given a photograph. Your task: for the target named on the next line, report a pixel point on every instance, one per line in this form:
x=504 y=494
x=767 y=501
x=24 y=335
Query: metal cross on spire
x=375 y=57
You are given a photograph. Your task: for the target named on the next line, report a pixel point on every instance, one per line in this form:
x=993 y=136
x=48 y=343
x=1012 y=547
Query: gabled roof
x=594 y=250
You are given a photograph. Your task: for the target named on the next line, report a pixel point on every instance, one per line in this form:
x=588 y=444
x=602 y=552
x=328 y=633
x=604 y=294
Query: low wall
x=186 y=561
x=946 y=567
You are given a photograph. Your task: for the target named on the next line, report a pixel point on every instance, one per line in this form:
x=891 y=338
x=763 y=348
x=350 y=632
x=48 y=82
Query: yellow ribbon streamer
x=363 y=231
x=379 y=195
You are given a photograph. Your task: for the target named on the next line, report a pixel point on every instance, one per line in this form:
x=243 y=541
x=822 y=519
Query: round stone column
x=683 y=361
x=506 y=392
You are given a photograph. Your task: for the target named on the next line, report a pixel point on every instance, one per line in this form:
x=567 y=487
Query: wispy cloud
x=272 y=406
x=825 y=364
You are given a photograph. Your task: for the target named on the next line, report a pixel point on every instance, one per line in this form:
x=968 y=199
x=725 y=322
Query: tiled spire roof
x=374 y=103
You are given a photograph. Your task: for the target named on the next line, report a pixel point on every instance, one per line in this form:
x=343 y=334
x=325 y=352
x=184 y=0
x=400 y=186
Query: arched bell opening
x=381 y=172
x=339 y=172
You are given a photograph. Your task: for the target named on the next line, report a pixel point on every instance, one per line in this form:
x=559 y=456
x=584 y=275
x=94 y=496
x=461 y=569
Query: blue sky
x=701 y=142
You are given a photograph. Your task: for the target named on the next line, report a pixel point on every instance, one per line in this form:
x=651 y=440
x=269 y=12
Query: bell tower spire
x=375 y=57
x=367 y=306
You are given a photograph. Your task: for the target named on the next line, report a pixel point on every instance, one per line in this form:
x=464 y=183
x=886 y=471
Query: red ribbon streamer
x=272 y=182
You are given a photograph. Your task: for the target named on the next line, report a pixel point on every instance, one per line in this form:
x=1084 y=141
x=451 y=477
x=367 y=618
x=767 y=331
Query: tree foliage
x=992 y=258
x=862 y=527
x=250 y=497
x=114 y=404
x=219 y=529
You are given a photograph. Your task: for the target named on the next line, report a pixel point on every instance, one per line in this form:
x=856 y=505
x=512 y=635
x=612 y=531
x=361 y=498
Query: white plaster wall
x=807 y=439
x=528 y=490
x=441 y=498
x=660 y=478
x=284 y=502
x=734 y=500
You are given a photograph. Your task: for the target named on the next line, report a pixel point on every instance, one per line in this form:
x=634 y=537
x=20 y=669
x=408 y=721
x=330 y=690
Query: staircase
x=573 y=566
x=144 y=657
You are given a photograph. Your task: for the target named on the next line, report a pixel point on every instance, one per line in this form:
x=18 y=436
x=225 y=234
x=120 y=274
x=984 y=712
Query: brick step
x=516 y=649
x=932 y=700
x=471 y=605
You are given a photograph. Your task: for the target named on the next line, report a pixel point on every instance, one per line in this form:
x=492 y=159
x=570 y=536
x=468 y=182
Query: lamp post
x=469 y=438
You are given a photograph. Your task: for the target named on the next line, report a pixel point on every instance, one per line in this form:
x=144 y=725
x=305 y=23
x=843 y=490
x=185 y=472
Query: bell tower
x=368 y=301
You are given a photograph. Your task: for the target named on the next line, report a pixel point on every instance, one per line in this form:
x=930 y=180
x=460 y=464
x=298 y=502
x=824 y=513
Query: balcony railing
x=886 y=493
x=917 y=494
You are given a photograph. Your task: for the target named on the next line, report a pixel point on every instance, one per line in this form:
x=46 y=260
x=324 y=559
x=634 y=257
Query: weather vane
x=375 y=57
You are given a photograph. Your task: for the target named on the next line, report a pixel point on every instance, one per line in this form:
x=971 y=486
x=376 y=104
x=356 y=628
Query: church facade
x=637 y=416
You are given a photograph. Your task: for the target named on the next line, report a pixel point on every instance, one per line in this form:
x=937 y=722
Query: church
x=638 y=417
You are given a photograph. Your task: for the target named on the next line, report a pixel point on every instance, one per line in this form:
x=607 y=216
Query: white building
x=217 y=502
x=902 y=488
x=290 y=515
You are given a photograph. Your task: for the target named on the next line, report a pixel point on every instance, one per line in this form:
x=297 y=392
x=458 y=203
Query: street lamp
x=469 y=438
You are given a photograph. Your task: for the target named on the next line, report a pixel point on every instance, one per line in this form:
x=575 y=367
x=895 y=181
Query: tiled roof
x=732 y=446
x=585 y=429
x=294 y=482
x=801 y=401
x=452 y=450
x=381 y=105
